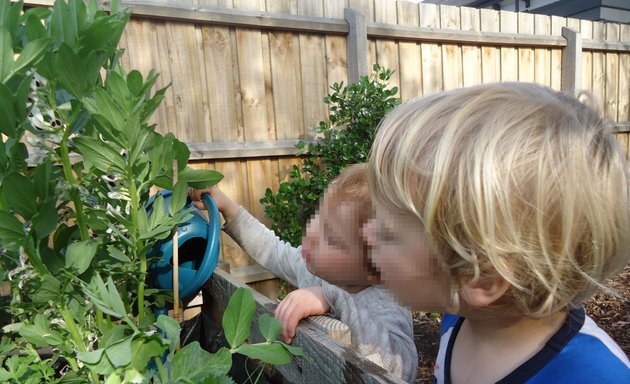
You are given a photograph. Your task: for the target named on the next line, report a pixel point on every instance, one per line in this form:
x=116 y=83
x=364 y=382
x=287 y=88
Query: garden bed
x=329 y=361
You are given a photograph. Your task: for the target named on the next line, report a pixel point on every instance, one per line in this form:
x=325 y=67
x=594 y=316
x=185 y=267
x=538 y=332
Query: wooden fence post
x=571 y=79
x=357 y=45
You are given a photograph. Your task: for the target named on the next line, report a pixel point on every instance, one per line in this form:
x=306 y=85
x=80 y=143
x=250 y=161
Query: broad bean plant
x=78 y=157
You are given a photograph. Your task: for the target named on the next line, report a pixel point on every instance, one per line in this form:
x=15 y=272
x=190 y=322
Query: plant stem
x=34 y=258
x=76 y=337
x=158 y=363
x=99 y=318
x=262 y=369
x=72 y=328
x=73 y=363
x=131 y=324
x=133 y=193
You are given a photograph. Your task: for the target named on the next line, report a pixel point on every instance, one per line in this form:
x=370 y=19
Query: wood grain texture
x=431 y=52
x=410 y=54
x=471 y=54
x=452 y=67
x=329 y=361
x=542 y=56
x=490 y=56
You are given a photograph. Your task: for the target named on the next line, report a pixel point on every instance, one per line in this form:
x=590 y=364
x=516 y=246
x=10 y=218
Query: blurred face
x=400 y=252
x=334 y=250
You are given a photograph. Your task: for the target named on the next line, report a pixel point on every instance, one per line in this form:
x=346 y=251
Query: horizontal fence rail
x=191 y=13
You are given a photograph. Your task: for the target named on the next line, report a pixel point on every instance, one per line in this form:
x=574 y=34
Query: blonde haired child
x=506 y=206
x=332 y=272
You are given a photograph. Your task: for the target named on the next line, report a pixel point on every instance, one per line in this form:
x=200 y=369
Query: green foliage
x=355 y=112
x=74 y=231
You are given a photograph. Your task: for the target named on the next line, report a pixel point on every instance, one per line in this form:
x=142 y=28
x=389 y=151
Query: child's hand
x=228 y=208
x=297 y=305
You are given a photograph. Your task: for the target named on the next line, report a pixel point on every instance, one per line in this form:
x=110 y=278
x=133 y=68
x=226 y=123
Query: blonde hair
x=514 y=179
x=350 y=187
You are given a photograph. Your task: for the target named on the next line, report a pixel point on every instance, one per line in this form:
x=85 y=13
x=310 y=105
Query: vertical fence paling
x=357 y=45
x=571 y=80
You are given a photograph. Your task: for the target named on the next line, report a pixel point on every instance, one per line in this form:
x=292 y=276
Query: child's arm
x=297 y=305
x=381 y=330
x=228 y=208
x=259 y=242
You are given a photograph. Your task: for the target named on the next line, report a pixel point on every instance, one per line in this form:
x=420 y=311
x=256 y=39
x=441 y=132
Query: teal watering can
x=198 y=249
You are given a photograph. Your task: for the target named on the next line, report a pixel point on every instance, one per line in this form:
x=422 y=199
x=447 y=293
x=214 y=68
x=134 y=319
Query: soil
x=611 y=313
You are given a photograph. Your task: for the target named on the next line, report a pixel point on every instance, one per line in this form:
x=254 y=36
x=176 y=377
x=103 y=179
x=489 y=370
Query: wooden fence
x=247 y=77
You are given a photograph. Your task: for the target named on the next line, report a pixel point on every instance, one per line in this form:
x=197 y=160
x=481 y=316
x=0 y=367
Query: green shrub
x=355 y=112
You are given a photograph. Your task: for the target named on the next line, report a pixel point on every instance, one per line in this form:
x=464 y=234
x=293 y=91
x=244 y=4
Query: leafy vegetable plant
x=356 y=110
x=77 y=159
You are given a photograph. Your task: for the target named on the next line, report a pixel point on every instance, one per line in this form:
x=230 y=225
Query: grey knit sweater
x=380 y=329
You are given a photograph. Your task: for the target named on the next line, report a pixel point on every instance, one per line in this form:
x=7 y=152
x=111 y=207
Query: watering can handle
x=212 y=247
x=214 y=227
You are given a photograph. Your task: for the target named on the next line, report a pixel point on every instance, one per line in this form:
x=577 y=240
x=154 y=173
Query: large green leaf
x=106 y=128
x=182 y=153
x=273 y=353
x=79 y=255
x=192 y=364
x=42 y=173
x=118 y=254
x=33 y=27
x=99 y=35
x=295 y=351
x=200 y=178
x=45 y=220
x=70 y=71
x=10 y=15
x=117 y=87
x=171 y=328
x=91 y=357
x=238 y=317
x=178 y=198
x=119 y=354
x=153 y=103
x=106 y=297
x=11 y=229
x=138 y=148
x=8 y=117
x=109 y=108
x=62 y=26
x=39 y=333
x=269 y=327
x=18 y=153
x=21 y=98
x=114 y=297
x=6 y=52
x=102 y=156
x=63 y=234
x=135 y=82
x=158 y=216
x=144 y=349
x=30 y=55
x=48 y=291
x=20 y=194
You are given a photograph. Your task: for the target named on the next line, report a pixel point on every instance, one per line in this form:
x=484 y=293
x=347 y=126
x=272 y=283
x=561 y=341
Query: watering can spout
x=198 y=249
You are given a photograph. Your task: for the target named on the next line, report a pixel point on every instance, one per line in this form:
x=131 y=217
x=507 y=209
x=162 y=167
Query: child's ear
x=483 y=293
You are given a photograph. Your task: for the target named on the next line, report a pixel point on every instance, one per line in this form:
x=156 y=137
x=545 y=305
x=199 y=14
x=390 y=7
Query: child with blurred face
x=332 y=272
x=333 y=247
x=505 y=206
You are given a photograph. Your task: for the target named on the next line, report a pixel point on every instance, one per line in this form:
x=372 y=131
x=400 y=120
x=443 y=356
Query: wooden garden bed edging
x=329 y=361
